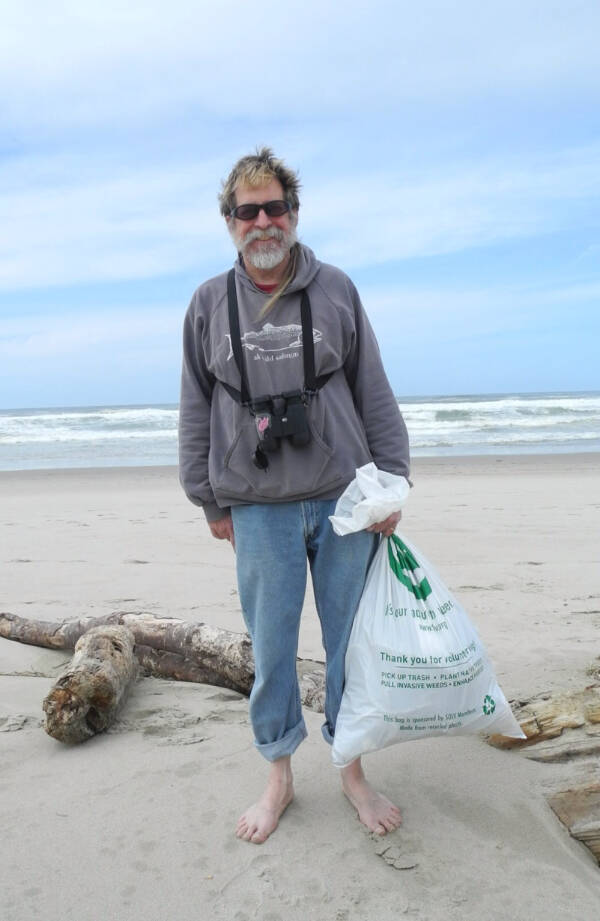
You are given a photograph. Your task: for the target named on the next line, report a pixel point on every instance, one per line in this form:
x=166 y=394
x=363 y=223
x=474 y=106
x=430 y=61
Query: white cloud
x=65 y=229
x=68 y=335
x=119 y=120
x=448 y=314
x=435 y=338
x=371 y=218
x=399 y=312
x=87 y=71
x=79 y=62
x=136 y=224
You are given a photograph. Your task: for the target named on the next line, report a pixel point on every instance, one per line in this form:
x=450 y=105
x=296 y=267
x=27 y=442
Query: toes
x=391 y=822
x=393 y=818
x=245 y=830
x=249 y=830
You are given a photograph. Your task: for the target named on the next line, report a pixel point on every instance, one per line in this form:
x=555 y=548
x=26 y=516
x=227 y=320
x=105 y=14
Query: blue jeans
x=273 y=543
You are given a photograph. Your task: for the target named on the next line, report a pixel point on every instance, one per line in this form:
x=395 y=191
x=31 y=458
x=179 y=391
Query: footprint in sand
x=16 y=722
x=395 y=857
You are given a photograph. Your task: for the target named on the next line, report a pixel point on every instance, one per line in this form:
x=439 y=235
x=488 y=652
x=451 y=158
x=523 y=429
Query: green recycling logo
x=404 y=566
x=489 y=705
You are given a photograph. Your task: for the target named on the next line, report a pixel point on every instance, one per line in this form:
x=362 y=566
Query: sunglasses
x=250 y=212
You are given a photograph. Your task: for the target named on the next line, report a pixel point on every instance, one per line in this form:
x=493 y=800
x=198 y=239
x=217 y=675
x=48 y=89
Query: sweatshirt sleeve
x=194 y=417
x=376 y=404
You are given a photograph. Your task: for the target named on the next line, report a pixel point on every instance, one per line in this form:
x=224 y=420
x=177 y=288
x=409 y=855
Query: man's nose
x=262 y=219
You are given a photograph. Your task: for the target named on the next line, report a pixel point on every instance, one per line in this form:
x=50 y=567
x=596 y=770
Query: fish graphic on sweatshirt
x=273 y=338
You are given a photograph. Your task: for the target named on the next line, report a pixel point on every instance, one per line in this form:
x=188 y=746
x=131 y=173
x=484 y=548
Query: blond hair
x=258 y=169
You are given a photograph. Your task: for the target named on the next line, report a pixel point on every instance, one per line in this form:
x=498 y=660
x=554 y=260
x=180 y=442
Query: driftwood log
x=87 y=696
x=559 y=727
x=564 y=729
x=166 y=647
x=547 y=716
x=579 y=809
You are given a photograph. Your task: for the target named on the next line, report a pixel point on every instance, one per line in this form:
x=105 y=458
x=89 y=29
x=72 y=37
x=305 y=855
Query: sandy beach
x=138 y=823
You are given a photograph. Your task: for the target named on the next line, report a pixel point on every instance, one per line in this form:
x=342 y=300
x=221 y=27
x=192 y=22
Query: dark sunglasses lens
x=246 y=212
x=250 y=211
x=276 y=208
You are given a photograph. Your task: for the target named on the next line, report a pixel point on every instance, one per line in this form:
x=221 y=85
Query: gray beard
x=266 y=257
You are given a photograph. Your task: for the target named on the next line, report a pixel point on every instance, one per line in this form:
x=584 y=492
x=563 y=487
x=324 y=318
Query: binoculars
x=283 y=417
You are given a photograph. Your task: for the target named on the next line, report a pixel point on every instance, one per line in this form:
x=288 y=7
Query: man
x=283 y=396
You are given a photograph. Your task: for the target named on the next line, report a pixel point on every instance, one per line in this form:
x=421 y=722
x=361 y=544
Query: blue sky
x=449 y=155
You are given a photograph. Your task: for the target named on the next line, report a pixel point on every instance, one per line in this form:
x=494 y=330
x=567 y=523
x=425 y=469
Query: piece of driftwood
x=579 y=809
x=547 y=715
x=167 y=647
x=559 y=727
x=86 y=697
x=564 y=728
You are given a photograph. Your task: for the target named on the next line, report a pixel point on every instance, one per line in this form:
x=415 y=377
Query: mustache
x=272 y=233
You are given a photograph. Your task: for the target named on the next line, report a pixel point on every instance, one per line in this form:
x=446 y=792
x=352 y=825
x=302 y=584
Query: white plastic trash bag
x=371 y=497
x=415 y=665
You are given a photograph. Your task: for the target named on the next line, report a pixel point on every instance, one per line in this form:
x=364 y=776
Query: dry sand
x=138 y=823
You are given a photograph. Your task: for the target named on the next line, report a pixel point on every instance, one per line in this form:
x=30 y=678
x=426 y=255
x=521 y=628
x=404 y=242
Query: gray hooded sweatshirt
x=354 y=417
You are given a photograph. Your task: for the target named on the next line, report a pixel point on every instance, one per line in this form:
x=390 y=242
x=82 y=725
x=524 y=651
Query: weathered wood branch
x=564 y=728
x=579 y=809
x=86 y=697
x=546 y=716
x=559 y=727
x=171 y=648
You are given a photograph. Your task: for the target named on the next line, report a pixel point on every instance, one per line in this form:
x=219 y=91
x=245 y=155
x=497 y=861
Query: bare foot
x=374 y=809
x=262 y=818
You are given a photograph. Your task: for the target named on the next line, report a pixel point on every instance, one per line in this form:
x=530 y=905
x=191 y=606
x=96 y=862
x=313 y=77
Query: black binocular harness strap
x=311 y=382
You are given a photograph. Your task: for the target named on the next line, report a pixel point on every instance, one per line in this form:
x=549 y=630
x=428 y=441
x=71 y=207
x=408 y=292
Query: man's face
x=265 y=241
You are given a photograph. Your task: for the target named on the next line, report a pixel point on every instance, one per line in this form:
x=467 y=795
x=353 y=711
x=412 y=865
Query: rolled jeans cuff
x=284 y=746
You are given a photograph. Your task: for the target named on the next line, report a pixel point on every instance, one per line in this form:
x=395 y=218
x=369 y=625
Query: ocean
x=124 y=436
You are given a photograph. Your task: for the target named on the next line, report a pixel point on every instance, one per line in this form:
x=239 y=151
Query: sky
x=449 y=156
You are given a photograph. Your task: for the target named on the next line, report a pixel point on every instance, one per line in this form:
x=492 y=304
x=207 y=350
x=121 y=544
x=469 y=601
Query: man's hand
x=388 y=526
x=222 y=529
